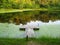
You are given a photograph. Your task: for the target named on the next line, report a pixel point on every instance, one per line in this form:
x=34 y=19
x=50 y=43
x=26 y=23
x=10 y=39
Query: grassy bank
x=20 y=10
x=31 y=41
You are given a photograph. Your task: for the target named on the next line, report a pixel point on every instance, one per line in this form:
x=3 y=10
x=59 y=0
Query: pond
x=27 y=16
x=47 y=21
x=46 y=29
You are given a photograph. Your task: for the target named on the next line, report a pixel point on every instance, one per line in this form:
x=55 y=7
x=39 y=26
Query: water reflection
x=27 y=16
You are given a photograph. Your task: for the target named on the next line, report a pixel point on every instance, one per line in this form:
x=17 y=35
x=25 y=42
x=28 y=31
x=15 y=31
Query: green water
x=12 y=31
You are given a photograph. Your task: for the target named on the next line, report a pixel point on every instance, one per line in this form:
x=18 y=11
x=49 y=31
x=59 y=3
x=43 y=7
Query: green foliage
x=21 y=4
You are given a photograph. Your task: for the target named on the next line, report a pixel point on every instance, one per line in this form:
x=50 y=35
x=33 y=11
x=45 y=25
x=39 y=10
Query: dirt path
x=32 y=43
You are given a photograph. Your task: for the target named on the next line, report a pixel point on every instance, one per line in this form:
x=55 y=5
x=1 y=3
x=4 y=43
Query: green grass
x=20 y=10
x=36 y=41
x=7 y=41
x=49 y=41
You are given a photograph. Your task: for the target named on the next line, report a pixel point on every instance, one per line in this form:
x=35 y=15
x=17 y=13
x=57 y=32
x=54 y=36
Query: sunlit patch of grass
x=20 y=10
